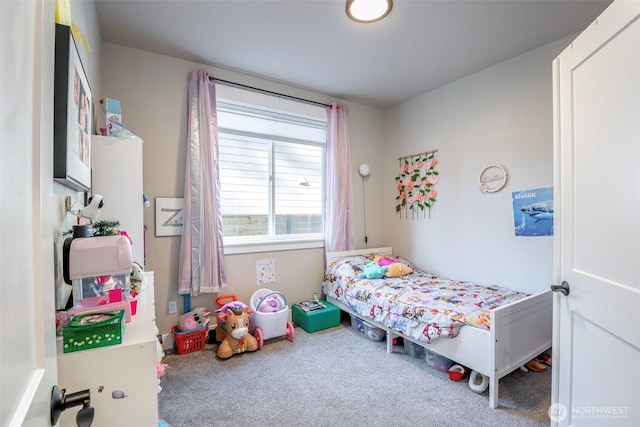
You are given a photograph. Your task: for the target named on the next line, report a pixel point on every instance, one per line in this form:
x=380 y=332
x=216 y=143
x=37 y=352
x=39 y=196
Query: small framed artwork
x=72 y=115
x=169 y=216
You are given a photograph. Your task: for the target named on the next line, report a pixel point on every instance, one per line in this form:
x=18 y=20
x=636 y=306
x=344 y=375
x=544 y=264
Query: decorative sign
x=169 y=216
x=493 y=178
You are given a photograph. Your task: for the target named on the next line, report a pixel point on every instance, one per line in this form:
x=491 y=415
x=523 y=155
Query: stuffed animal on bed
x=237 y=339
x=384 y=260
x=372 y=270
x=193 y=320
x=398 y=269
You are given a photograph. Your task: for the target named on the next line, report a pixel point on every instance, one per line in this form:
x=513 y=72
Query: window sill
x=270 y=246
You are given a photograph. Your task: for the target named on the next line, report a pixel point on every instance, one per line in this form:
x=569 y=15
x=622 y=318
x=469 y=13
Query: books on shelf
x=310 y=305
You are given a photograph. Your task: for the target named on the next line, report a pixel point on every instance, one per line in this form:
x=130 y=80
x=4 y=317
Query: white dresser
x=129 y=367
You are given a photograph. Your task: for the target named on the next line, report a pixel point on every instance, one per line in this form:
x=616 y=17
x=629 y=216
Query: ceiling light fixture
x=366 y=11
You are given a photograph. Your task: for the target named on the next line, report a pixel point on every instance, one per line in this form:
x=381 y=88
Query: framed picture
x=169 y=216
x=72 y=115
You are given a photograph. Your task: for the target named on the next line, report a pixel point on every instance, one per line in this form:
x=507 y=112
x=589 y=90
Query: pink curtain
x=201 y=268
x=339 y=222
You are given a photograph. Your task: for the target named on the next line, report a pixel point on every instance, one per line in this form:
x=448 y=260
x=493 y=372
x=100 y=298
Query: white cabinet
x=129 y=367
x=116 y=174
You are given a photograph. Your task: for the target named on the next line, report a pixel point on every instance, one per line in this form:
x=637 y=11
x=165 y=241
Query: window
x=271 y=177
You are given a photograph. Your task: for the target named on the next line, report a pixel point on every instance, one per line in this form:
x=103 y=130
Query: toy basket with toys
x=188 y=342
x=270 y=315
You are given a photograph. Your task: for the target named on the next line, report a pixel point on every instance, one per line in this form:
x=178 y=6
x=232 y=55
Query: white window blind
x=271 y=175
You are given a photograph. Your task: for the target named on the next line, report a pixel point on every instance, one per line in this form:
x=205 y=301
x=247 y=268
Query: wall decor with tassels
x=416 y=178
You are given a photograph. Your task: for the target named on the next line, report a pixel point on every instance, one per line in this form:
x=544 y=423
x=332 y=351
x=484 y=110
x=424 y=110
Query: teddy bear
x=372 y=270
x=398 y=269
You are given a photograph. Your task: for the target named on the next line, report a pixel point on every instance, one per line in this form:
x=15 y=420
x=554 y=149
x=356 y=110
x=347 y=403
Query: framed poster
x=72 y=115
x=169 y=216
x=533 y=212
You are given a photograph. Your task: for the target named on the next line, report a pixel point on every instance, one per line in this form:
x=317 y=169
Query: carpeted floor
x=337 y=377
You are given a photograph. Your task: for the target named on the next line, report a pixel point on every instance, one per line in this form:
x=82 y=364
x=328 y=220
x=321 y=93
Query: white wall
x=152 y=90
x=84 y=17
x=503 y=115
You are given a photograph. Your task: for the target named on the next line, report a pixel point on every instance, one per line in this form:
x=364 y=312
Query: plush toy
x=138 y=278
x=193 y=320
x=237 y=339
x=384 y=260
x=372 y=271
x=398 y=269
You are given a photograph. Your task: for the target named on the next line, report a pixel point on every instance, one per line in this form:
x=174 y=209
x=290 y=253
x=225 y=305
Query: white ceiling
x=420 y=46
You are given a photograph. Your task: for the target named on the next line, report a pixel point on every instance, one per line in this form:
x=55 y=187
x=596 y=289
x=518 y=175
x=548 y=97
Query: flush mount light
x=366 y=11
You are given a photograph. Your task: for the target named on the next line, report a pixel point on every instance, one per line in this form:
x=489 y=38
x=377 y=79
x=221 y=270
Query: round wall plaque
x=493 y=178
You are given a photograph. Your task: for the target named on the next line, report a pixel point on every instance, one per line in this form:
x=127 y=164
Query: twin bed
x=489 y=329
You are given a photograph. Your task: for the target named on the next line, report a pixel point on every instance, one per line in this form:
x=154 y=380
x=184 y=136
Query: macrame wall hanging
x=416 y=177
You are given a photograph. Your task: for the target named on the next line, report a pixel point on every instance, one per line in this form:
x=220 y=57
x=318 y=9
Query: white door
x=596 y=344
x=27 y=323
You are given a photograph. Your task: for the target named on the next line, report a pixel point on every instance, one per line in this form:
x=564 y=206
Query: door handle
x=563 y=288
x=61 y=401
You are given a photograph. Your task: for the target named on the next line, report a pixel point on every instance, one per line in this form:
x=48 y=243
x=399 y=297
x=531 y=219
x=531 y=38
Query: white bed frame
x=519 y=331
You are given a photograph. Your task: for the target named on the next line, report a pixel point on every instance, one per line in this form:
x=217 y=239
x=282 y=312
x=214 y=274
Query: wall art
x=169 y=216
x=416 y=178
x=533 y=212
x=493 y=178
x=72 y=115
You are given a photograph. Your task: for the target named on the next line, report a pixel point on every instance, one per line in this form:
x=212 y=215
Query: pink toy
x=271 y=304
x=193 y=320
x=383 y=260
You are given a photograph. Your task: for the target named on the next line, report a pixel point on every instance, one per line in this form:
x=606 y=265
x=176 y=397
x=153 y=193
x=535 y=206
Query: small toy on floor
x=535 y=366
x=545 y=358
x=237 y=338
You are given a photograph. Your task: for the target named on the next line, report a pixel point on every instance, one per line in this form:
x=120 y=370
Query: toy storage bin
x=93 y=330
x=272 y=324
x=188 y=342
x=413 y=349
x=437 y=362
x=270 y=312
x=357 y=324
x=374 y=333
x=316 y=320
x=270 y=315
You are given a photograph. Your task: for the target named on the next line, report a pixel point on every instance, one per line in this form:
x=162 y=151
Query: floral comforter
x=419 y=305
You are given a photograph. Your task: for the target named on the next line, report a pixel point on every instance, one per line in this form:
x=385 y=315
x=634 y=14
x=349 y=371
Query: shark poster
x=533 y=212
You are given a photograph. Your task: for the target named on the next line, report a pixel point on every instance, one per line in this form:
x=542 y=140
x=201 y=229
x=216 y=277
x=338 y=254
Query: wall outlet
x=173 y=307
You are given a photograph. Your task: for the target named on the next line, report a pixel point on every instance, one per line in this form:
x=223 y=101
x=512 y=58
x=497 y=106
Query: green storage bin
x=316 y=320
x=93 y=330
